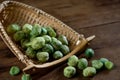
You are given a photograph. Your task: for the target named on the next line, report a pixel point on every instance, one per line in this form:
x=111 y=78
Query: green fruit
x=13 y=28
x=14 y=70
x=56 y=43
x=69 y=71
x=63 y=39
x=72 y=61
x=89 y=53
x=43 y=56
x=27 y=28
x=26 y=77
x=19 y=36
x=47 y=38
x=30 y=52
x=103 y=60
x=82 y=63
x=97 y=64
x=36 y=30
x=43 y=31
x=65 y=49
x=57 y=55
x=48 y=48
x=51 y=32
x=109 y=65
x=89 y=71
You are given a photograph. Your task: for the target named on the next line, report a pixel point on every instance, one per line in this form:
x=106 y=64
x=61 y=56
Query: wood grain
x=99 y=17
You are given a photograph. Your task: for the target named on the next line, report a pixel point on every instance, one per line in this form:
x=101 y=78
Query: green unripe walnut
x=109 y=65
x=69 y=71
x=57 y=55
x=13 y=28
x=89 y=71
x=19 y=36
x=43 y=56
x=14 y=70
x=82 y=63
x=72 y=61
x=89 y=52
x=97 y=64
x=27 y=28
x=26 y=77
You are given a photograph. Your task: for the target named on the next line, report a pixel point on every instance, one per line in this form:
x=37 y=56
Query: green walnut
x=37 y=43
x=65 y=49
x=69 y=71
x=82 y=63
x=109 y=65
x=14 y=70
x=57 y=55
x=36 y=30
x=72 y=61
x=63 y=39
x=97 y=64
x=13 y=28
x=18 y=36
x=27 y=28
x=30 y=52
x=89 y=71
x=56 y=43
x=89 y=52
x=51 y=32
x=47 y=38
x=43 y=56
x=43 y=31
x=26 y=77
x=48 y=48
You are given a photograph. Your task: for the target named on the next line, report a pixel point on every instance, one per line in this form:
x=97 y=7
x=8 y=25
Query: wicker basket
x=15 y=12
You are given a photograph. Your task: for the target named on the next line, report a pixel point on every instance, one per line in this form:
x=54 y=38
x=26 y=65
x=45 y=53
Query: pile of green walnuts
x=38 y=42
x=74 y=63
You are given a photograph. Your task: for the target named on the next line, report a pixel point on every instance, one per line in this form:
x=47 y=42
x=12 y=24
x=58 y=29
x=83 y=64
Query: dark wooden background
x=99 y=17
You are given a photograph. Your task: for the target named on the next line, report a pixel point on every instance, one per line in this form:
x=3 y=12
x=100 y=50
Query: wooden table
x=99 y=17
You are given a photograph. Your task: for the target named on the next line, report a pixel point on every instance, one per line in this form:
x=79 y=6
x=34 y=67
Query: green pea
x=26 y=77
x=69 y=71
x=97 y=64
x=72 y=61
x=89 y=71
x=109 y=65
x=13 y=28
x=82 y=63
x=89 y=52
x=42 y=56
x=14 y=70
x=57 y=55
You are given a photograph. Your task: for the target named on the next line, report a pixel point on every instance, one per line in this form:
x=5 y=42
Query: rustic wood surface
x=99 y=17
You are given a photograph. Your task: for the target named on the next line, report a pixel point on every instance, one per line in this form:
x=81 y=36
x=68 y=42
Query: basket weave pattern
x=15 y=12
